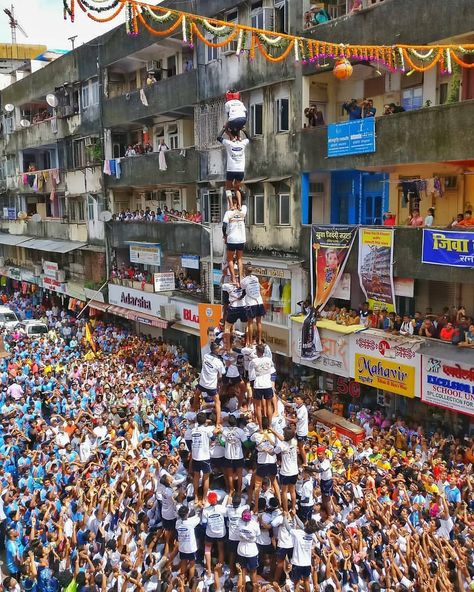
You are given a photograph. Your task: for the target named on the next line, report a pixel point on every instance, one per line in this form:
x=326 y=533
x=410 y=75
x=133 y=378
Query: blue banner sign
x=351 y=137
x=444 y=247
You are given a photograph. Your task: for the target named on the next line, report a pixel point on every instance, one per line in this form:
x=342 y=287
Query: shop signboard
x=351 y=137
x=28 y=276
x=50 y=283
x=50 y=269
x=190 y=261
x=209 y=317
x=445 y=247
x=136 y=300
x=447 y=384
x=375 y=266
x=335 y=357
x=187 y=313
x=164 y=282
x=14 y=273
x=145 y=253
x=387 y=362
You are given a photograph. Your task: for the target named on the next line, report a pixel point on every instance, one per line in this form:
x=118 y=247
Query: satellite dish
x=22 y=215
x=52 y=100
x=25 y=123
x=36 y=218
x=9 y=107
x=105 y=216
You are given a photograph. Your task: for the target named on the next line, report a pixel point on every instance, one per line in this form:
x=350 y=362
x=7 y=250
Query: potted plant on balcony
x=94 y=153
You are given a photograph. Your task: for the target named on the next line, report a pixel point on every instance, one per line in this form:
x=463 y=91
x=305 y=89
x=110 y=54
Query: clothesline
x=398 y=181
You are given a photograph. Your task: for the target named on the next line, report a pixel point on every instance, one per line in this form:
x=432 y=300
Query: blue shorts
x=288 y=479
x=327 y=487
x=235 y=246
x=305 y=512
x=231 y=546
x=208 y=391
x=234 y=176
x=266 y=470
x=265 y=549
x=233 y=463
x=239 y=313
x=259 y=394
x=187 y=556
x=168 y=524
x=258 y=310
x=203 y=466
x=284 y=553
x=248 y=563
x=299 y=572
x=217 y=463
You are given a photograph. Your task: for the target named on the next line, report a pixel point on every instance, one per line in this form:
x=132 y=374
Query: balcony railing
x=317 y=16
x=182 y=167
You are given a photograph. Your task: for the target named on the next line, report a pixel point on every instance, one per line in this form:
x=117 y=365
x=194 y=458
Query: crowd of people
x=126 y=274
x=451 y=325
x=128 y=470
x=160 y=215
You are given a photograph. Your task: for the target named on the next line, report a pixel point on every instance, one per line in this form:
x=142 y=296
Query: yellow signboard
x=385 y=375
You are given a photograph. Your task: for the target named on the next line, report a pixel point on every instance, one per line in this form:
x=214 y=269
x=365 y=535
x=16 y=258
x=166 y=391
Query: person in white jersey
x=212 y=369
x=234 y=514
x=247 y=550
x=234 y=236
x=186 y=533
x=201 y=436
x=236 y=112
x=254 y=302
x=235 y=312
x=234 y=456
x=304 y=539
x=213 y=518
x=301 y=422
x=262 y=368
x=287 y=447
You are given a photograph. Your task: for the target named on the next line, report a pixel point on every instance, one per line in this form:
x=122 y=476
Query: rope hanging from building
x=274 y=47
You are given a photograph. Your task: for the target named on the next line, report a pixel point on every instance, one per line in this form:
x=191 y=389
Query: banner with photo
x=330 y=248
x=209 y=317
x=311 y=347
x=443 y=247
x=376 y=267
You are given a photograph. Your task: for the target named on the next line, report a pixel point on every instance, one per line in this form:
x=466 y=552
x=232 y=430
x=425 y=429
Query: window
x=91 y=207
x=412 y=98
x=281 y=16
x=212 y=52
x=262 y=18
x=173 y=136
x=211 y=206
x=259 y=208
x=85 y=97
x=256 y=119
x=78 y=153
x=282 y=115
x=94 y=91
x=76 y=210
x=10 y=123
x=283 y=209
x=231 y=17
x=443 y=93
x=90 y=93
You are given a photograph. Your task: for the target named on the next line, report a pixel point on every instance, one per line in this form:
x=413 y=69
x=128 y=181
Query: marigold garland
x=396 y=57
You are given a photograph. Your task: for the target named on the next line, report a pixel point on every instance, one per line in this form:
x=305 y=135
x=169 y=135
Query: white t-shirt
x=326 y=472
x=284 y=538
x=168 y=504
x=212 y=368
x=213 y=518
x=236 y=297
x=289 y=457
x=234 y=437
x=235 y=154
x=265 y=444
x=235 y=220
x=235 y=109
x=233 y=516
x=263 y=369
x=301 y=420
x=302 y=547
x=248 y=533
x=264 y=537
x=186 y=534
x=200 y=442
x=251 y=285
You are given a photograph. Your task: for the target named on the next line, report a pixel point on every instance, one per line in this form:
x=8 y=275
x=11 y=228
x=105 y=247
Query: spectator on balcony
x=384 y=322
x=406 y=328
x=353 y=109
x=396 y=108
x=315 y=116
x=389 y=219
x=147 y=147
x=162 y=148
x=457 y=221
x=130 y=151
x=387 y=110
x=427 y=329
x=415 y=220
x=468 y=337
x=429 y=218
x=368 y=109
x=447 y=332
x=353 y=318
x=468 y=220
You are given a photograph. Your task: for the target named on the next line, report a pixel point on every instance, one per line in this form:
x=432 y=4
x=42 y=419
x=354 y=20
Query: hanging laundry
x=56 y=176
x=35 y=183
x=107 y=167
x=40 y=182
x=162 y=159
x=438 y=187
x=118 y=168
x=25 y=179
x=31 y=180
x=112 y=167
x=143 y=98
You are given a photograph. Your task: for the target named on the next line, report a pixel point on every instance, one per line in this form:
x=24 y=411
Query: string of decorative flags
x=275 y=47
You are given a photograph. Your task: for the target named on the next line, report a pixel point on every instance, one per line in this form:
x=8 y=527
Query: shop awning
x=96 y=305
x=13 y=239
x=120 y=311
x=331 y=325
x=53 y=246
x=186 y=329
x=147 y=319
x=446 y=351
x=277 y=179
x=257 y=180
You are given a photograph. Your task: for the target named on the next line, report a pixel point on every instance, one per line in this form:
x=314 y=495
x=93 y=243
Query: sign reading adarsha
x=140 y=302
x=136 y=300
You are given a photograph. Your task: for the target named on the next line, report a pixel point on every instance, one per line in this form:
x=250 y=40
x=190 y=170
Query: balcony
x=432 y=134
x=175 y=95
x=143 y=170
x=39 y=134
x=174 y=237
x=406 y=257
x=48 y=229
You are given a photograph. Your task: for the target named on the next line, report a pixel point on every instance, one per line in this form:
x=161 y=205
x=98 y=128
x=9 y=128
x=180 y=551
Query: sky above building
x=44 y=23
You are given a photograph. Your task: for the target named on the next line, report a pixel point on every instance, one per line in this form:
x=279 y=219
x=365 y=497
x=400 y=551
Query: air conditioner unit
x=152 y=65
x=37 y=270
x=60 y=276
x=168 y=312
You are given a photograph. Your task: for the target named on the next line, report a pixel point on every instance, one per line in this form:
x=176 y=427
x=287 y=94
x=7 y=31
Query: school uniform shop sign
x=447 y=384
x=386 y=362
x=136 y=300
